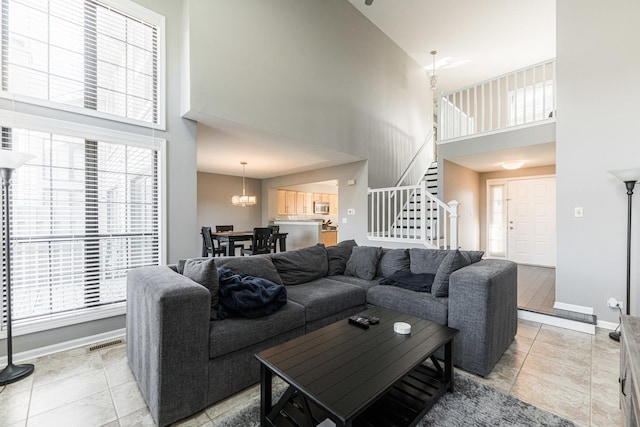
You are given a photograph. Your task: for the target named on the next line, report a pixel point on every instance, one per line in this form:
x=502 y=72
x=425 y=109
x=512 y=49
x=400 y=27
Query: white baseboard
x=557 y=321
x=607 y=325
x=63 y=346
x=574 y=308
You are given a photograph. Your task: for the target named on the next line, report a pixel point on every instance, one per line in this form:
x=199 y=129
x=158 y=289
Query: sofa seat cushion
x=419 y=304
x=324 y=297
x=226 y=336
x=363 y=283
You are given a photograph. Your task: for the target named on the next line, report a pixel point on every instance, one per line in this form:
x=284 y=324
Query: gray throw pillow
x=393 y=260
x=363 y=262
x=454 y=260
x=301 y=265
x=338 y=255
x=256 y=266
x=426 y=260
x=204 y=271
x=475 y=256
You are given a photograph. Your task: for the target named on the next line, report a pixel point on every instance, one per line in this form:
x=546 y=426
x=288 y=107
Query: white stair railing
x=411 y=214
x=419 y=164
x=518 y=98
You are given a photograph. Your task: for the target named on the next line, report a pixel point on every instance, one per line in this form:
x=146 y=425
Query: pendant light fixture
x=244 y=199
x=434 y=77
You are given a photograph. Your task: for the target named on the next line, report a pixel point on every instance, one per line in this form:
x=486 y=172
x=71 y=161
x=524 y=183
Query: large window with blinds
x=84 y=212
x=84 y=54
x=86 y=209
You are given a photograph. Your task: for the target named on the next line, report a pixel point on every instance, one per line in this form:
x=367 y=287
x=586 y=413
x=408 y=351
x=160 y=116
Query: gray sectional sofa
x=184 y=361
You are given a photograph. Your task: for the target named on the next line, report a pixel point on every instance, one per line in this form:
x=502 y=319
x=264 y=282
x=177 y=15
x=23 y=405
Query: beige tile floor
x=571 y=374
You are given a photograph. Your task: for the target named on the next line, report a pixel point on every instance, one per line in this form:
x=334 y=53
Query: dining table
x=230 y=237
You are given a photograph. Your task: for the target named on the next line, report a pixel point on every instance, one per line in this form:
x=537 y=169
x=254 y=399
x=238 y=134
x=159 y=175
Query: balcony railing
x=519 y=98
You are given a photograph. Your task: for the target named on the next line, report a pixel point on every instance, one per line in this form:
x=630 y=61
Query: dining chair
x=208 y=245
x=223 y=228
x=275 y=229
x=260 y=242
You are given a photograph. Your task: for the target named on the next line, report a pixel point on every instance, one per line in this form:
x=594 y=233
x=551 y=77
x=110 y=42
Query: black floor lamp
x=9 y=161
x=629 y=177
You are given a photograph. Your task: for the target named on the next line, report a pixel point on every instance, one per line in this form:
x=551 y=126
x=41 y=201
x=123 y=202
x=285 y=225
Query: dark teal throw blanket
x=247 y=296
x=419 y=282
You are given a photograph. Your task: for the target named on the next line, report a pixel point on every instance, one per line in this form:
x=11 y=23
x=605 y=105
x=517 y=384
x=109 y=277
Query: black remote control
x=373 y=320
x=359 y=321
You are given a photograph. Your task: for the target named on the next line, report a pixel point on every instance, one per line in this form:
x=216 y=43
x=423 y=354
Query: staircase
x=413 y=214
x=409 y=219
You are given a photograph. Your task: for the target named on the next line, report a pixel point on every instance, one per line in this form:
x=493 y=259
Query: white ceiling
x=531 y=155
x=221 y=151
x=475 y=40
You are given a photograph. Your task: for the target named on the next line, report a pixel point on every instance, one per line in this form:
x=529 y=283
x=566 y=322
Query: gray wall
x=181 y=140
x=463 y=184
x=181 y=178
x=317 y=72
x=214 y=202
x=349 y=196
x=597 y=131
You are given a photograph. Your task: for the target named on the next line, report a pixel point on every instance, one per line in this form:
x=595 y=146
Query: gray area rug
x=472 y=404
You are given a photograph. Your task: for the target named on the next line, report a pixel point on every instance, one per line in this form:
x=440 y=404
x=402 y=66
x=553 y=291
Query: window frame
x=146 y=15
x=12 y=119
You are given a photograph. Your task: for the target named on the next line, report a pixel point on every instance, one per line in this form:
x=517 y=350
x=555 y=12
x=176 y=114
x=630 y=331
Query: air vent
x=106 y=344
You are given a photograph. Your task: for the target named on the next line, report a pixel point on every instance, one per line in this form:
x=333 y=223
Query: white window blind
x=83 y=212
x=81 y=53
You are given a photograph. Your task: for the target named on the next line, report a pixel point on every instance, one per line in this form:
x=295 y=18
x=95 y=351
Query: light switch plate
x=351 y=211
x=344 y=220
x=578 y=212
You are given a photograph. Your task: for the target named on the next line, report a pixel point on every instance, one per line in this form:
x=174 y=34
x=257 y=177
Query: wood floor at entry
x=536 y=288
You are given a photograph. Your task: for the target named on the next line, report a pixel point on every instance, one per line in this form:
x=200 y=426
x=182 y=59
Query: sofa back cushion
x=204 y=271
x=393 y=260
x=301 y=265
x=363 y=262
x=256 y=266
x=337 y=257
x=475 y=256
x=454 y=260
x=426 y=260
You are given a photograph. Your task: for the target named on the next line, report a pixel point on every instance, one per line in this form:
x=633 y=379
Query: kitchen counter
x=301 y=233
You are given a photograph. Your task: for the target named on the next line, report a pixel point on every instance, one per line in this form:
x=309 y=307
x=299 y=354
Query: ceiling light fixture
x=515 y=164
x=368 y=2
x=244 y=200
x=434 y=77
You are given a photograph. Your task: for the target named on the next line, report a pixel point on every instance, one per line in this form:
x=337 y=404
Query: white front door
x=531 y=226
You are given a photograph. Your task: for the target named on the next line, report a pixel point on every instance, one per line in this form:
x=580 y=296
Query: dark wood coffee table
x=354 y=376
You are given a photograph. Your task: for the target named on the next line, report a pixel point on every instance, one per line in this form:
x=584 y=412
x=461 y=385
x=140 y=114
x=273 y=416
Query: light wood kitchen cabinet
x=304 y=202
x=320 y=197
x=333 y=204
x=287 y=202
x=330 y=238
x=301 y=203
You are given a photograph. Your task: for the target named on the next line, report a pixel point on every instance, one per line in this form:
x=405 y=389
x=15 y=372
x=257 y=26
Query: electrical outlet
x=614 y=303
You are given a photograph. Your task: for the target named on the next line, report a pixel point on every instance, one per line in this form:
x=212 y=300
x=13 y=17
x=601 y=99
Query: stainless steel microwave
x=321 y=207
